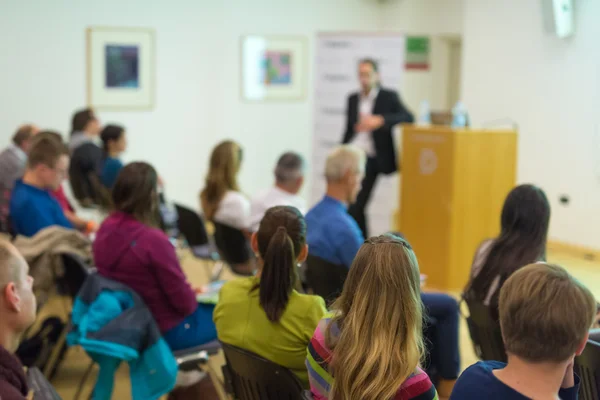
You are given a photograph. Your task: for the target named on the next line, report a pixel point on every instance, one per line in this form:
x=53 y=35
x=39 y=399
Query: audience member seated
x=264 y=314
x=370 y=346
x=131 y=250
x=86 y=156
x=289 y=177
x=78 y=223
x=114 y=143
x=13 y=161
x=522 y=240
x=542 y=335
x=221 y=198
x=333 y=234
x=17 y=313
x=32 y=206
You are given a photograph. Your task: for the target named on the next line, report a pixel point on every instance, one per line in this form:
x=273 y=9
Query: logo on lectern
x=428 y=161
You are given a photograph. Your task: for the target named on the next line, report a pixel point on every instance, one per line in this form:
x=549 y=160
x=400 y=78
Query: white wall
x=43 y=80
x=437 y=19
x=551 y=88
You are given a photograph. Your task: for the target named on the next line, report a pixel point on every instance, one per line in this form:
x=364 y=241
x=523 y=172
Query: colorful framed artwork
x=120 y=68
x=273 y=68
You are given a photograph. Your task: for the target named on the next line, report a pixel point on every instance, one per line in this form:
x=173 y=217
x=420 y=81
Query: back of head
x=81 y=119
x=545 y=314
x=17 y=302
x=110 y=133
x=224 y=165
x=290 y=167
x=46 y=149
x=280 y=239
x=24 y=135
x=343 y=159
x=379 y=315
x=524 y=230
x=135 y=192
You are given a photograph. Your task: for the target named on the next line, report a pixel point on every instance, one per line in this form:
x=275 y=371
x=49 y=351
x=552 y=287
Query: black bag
x=35 y=350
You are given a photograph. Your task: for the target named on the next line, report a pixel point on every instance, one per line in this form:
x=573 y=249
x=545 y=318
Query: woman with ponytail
x=114 y=143
x=265 y=314
x=371 y=345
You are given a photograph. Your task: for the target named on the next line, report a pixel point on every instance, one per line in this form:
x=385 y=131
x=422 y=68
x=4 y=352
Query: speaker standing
x=371 y=115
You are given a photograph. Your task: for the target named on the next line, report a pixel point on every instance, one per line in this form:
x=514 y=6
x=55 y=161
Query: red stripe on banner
x=421 y=66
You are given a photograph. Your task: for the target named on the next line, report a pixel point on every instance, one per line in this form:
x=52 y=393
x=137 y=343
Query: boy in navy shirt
x=32 y=206
x=545 y=317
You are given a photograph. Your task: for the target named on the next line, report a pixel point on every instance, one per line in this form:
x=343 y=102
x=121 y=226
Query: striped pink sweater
x=417 y=387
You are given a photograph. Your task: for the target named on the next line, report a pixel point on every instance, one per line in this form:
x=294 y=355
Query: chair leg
x=217 y=271
x=53 y=360
x=86 y=375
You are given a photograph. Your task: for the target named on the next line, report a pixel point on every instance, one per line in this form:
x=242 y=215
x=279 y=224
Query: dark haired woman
x=114 y=142
x=265 y=314
x=131 y=250
x=522 y=241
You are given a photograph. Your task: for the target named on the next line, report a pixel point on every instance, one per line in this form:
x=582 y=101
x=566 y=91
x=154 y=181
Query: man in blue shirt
x=332 y=234
x=32 y=206
x=545 y=315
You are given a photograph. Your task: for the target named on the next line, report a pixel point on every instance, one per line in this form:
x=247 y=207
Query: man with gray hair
x=289 y=177
x=13 y=160
x=332 y=234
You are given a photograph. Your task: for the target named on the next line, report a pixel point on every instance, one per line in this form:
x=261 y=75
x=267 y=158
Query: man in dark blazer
x=370 y=117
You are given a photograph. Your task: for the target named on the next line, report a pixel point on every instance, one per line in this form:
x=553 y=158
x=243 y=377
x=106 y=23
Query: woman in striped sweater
x=369 y=348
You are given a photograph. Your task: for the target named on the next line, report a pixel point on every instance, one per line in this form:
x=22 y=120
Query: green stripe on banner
x=417 y=52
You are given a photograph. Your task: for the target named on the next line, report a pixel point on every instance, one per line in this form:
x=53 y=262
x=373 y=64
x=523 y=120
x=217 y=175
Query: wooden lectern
x=453 y=186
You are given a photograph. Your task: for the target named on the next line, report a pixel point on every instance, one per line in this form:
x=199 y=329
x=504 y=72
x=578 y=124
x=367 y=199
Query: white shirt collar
x=372 y=94
x=18 y=152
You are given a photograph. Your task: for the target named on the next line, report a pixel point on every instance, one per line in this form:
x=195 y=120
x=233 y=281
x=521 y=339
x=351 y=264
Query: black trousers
x=357 y=210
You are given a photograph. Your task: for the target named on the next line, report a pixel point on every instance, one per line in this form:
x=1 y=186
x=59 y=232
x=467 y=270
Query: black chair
x=485 y=332
x=587 y=366
x=233 y=247
x=307 y=395
x=75 y=274
x=192 y=228
x=324 y=278
x=250 y=377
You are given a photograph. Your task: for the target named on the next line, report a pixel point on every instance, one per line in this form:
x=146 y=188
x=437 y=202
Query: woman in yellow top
x=265 y=314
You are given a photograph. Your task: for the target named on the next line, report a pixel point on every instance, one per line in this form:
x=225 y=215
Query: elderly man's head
x=344 y=170
x=22 y=137
x=289 y=172
x=17 y=301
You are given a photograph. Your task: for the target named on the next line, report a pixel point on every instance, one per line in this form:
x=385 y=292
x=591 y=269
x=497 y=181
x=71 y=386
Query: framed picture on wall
x=273 y=68
x=120 y=68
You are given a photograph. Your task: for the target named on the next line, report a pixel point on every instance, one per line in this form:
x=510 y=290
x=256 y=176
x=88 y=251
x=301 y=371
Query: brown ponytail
x=281 y=236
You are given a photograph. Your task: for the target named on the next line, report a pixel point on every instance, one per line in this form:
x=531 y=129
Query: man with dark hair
x=370 y=116
x=289 y=177
x=17 y=313
x=86 y=156
x=32 y=206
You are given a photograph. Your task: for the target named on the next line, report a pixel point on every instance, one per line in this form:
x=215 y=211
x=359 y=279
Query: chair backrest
x=191 y=226
x=485 y=332
x=76 y=272
x=587 y=366
x=254 y=378
x=324 y=278
x=232 y=244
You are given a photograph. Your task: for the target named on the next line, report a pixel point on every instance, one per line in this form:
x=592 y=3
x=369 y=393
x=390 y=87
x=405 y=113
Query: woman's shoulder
x=235 y=287
x=235 y=197
x=417 y=386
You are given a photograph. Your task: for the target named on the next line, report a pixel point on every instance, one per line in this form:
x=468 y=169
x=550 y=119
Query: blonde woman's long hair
x=380 y=317
x=224 y=165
